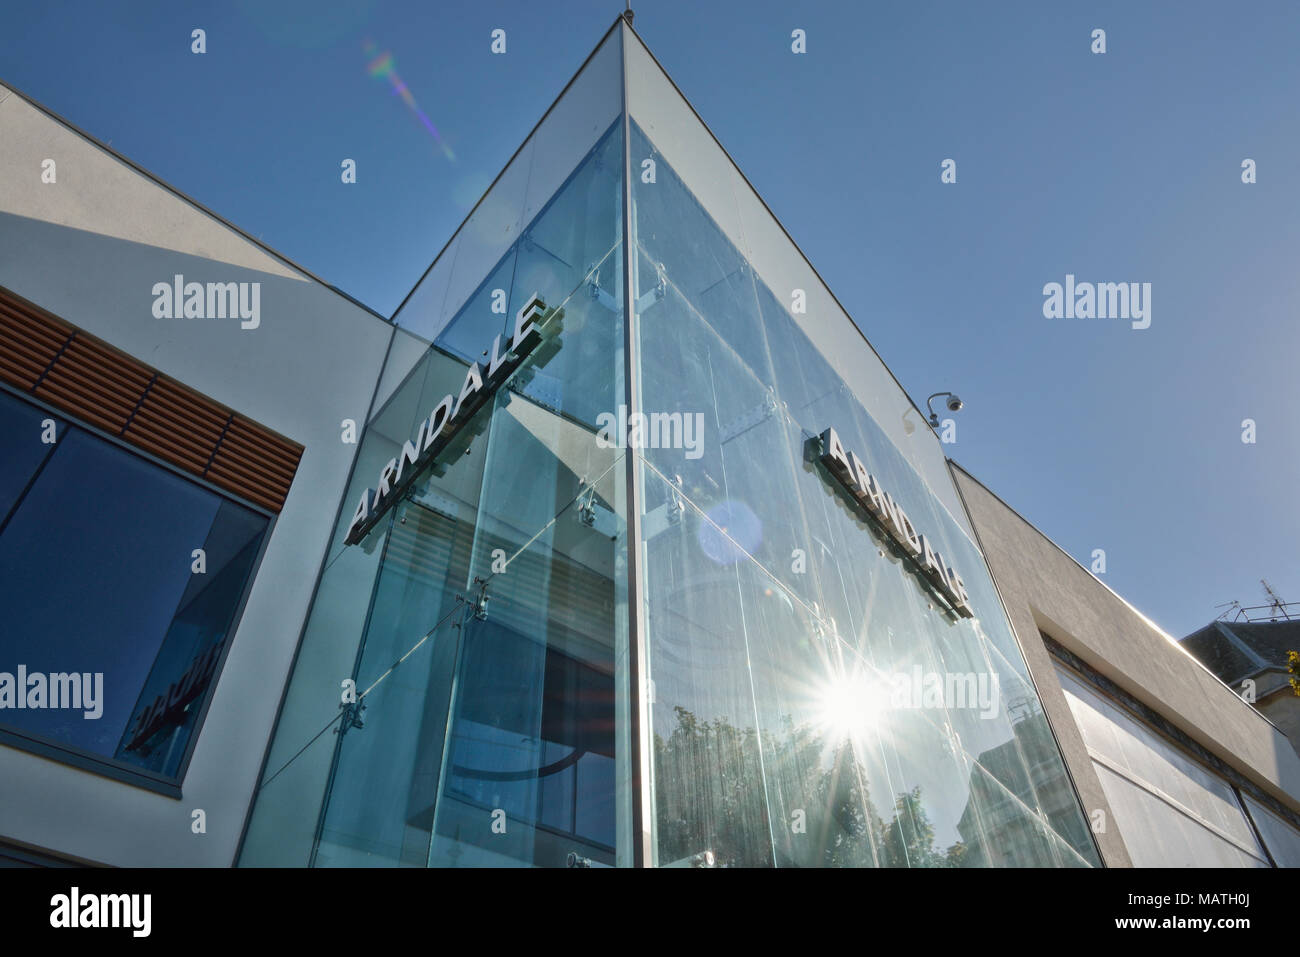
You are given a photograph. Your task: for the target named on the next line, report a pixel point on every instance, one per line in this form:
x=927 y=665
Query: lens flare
x=849 y=706
x=382 y=67
x=732 y=530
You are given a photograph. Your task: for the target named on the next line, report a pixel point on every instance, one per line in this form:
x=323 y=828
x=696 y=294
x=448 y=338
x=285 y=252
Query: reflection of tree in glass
x=909 y=839
x=711 y=794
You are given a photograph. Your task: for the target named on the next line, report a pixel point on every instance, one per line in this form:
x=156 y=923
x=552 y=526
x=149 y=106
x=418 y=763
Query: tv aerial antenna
x=1275 y=609
x=1275 y=604
x=1231 y=606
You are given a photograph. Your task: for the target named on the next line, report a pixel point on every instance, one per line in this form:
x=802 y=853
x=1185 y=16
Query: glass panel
x=385 y=778
x=282 y=827
x=24 y=447
x=1157 y=835
x=709 y=787
x=424 y=313
x=530 y=774
x=491 y=229
x=196 y=638
x=380 y=804
x=1281 y=837
x=571 y=255
x=470 y=333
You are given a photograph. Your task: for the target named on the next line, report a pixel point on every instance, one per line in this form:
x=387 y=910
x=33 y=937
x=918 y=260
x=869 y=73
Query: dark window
x=534 y=735
x=109 y=639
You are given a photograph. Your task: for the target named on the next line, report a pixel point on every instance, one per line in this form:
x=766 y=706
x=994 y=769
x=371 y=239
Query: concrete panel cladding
x=1045 y=589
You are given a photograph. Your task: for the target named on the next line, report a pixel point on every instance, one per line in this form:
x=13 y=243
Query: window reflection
x=542 y=751
x=96 y=578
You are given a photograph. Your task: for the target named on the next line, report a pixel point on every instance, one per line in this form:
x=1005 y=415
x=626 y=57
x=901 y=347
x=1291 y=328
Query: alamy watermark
x=655 y=430
x=917 y=689
x=179 y=299
x=75 y=909
x=57 y=690
x=1103 y=300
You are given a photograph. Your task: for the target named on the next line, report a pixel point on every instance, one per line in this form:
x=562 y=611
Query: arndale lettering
x=532 y=325
x=862 y=488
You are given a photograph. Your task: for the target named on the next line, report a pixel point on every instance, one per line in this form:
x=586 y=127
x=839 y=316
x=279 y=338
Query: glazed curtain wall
x=773 y=616
x=489 y=733
x=778 y=620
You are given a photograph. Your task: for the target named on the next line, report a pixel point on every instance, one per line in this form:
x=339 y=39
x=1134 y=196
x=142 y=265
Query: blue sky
x=1117 y=167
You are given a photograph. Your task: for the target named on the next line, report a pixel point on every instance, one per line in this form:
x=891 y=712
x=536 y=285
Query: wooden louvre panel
x=90 y=380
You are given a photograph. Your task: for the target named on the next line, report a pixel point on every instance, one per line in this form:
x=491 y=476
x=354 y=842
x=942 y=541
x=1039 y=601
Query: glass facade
x=502 y=720
x=104 y=609
x=630 y=621
x=778 y=621
x=495 y=741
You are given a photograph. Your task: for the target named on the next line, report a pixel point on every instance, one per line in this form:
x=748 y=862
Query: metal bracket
x=823 y=626
x=676 y=502
x=481 y=602
x=952 y=740
x=818 y=630
x=702 y=859
x=592 y=512
x=539 y=387
x=352 y=711
x=587 y=505
x=747 y=420
x=656 y=293
x=597 y=293
x=668 y=515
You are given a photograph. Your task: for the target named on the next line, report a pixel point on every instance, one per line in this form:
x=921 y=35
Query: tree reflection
x=797 y=802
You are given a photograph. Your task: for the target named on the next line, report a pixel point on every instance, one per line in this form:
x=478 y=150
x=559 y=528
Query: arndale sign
x=862 y=488
x=532 y=326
